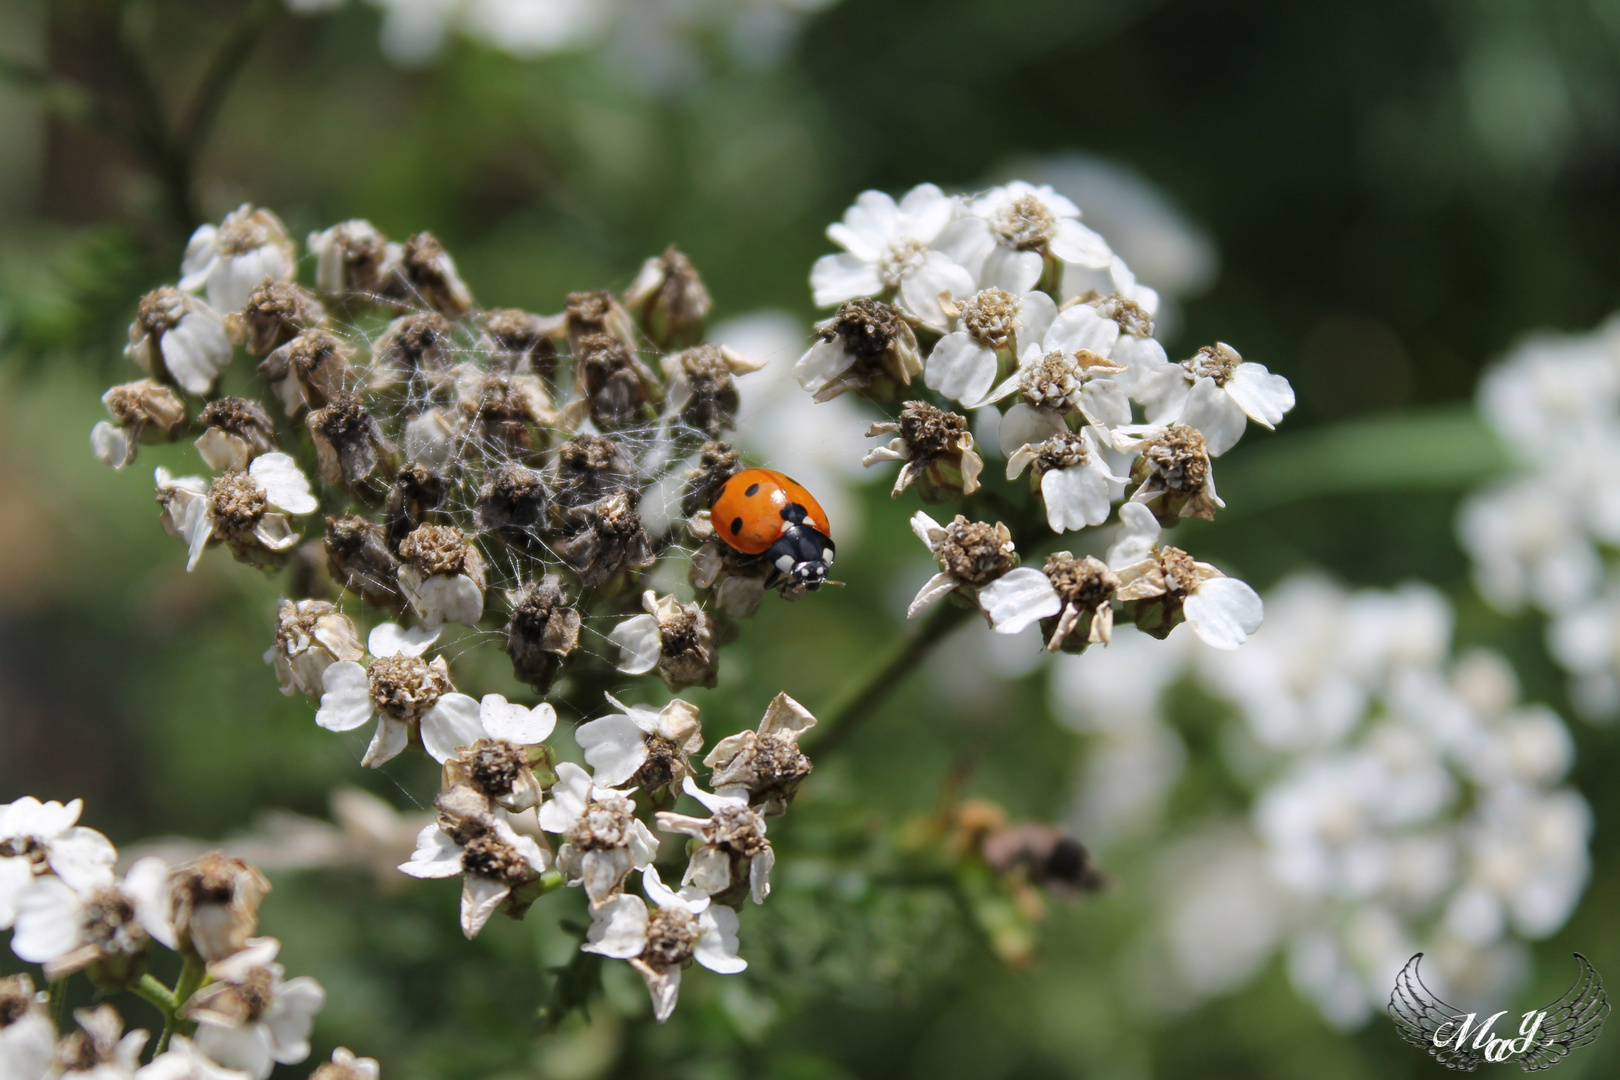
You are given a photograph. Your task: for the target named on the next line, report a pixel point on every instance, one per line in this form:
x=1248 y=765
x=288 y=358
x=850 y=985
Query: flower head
x=602 y=838
x=1011 y=231
x=501 y=765
x=888 y=251
x=212 y=904
x=311 y=636
x=236 y=431
x=1073 y=594
x=309 y=371
x=641 y=745
x=991 y=328
x=1169 y=586
x=767 y=763
x=1221 y=392
x=354 y=259
x=100 y=1049
x=442 y=575
x=937 y=448
x=105 y=926
x=230 y=260
x=37 y=839
x=245 y=510
x=498 y=866
x=143 y=411
x=177 y=338
x=1072 y=476
x=866 y=346
x=971 y=555
x=405 y=692
x=250 y=1016
x=661 y=940
x=542 y=631
x=734 y=851
x=678 y=639
x=27 y=1036
x=276 y=312
x=669 y=301
x=1173 y=471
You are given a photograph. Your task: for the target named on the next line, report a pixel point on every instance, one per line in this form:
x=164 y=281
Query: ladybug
x=760 y=512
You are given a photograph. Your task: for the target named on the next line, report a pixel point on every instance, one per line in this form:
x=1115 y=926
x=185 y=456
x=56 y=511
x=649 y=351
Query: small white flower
x=311 y=636
x=1220 y=392
x=865 y=343
x=971 y=555
x=27 y=1036
x=992 y=326
x=230 y=260
x=442 y=575
x=44 y=838
x=681 y=927
x=642 y=743
x=887 y=250
x=604 y=840
x=766 y=763
x=250 y=1016
x=402 y=690
x=183 y=1061
x=675 y=638
x=475 y=841
x=178 y=338
x=67 y=930
x=1076 y=485
x=144 y=410
x=345 y=1065
x=501 y=764
x=1071 y=588
x=734 y=849
x=354 y=257
x=99 y=1050
x=1068 y=369
x=1010 y=230
x=1222 y=611
x=247 y=510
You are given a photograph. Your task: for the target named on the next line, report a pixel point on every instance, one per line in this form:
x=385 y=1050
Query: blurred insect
x=760 y=512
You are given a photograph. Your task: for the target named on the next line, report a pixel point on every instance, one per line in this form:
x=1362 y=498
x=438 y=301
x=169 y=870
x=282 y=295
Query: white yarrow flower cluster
x=969 y=293
x=1405 y=800
x=1539 y=536
x=69 y=913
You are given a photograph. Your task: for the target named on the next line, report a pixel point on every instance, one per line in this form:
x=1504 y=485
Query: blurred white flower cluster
x=1400 y=799
x=233 y=1014
x=1005 y=303
x=658 y=38
x=1545 y=535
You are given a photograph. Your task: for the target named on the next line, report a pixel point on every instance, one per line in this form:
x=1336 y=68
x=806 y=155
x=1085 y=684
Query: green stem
x=159 y=995
x=58 y=996
x=858 y=704
x=198 y=117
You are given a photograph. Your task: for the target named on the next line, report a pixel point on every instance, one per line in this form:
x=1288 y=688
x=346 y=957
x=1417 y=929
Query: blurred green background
x=1396 y=190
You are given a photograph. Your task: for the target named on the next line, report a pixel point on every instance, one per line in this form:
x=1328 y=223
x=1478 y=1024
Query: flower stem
x=161 y=996
x=864 y=697
x=191 y=977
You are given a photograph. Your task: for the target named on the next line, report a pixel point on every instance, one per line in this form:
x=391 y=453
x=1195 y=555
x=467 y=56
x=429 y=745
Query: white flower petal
x=110 y=444
x=920 y=290
x=1010 y=269
x=836 y=278
x=824 y=362
x=481 y=897
x=1264 y=397
x=562 y=811
x=640 y=642
x=285 y=486
x=614 y=748
x=717 y=948
x=442 y=598
x=391 y=639
x=49 y=919
x=454 y=721
x=618 y=928
x=1025 y=425
x=1224 y=612
x=196 y=350
x=960 y=368
x=1075 y=243
x=1215 y=414
x=1019 y=599
x=1075 y=498
x=517 y=724
x=247 y=1048
x=346 y=699
x=387 y=743
x=1138 y=533
x=933 y=590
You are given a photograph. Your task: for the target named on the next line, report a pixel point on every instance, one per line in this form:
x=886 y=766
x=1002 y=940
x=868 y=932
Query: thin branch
x=836 y=724
x=199 y=115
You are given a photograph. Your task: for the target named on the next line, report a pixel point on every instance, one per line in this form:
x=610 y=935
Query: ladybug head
x=801 y=553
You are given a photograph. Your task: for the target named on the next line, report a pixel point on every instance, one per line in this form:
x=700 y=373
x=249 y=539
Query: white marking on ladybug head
x=784 y=563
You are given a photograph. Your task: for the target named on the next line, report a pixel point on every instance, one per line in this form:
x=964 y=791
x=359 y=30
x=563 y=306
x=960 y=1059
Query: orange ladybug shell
x=755 y=506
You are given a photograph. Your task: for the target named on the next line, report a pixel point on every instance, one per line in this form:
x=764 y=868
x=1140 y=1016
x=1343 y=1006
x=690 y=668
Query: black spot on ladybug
x=736 y=526
x=795 y=513
x=753 y=489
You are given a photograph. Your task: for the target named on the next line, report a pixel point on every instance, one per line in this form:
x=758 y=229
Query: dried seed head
x=590 y=466
x=868 y=328
x=672 y=934
x=523 y=341
x=237 y=504
x=353 y=257
x=990 y=317
x=95 y=1043
x=717 y=463
x=1025 y=224
x=1180 y=459
x=612 y=380
x=1054 y=382
x=435 y=549
x=145 y=403
x=496 y=767
x=596 y=313
x=492 y=857
x=511 y=502
x=160 y=311
x=405 y=687
x=608 y=540
x=277 y=312
x=432 y=274
x=16 y=999
x=310 y=370
x=1180 y=570
x=1085 y=583
x=712 y=399
x=346 y=438
x=666 y=766
x=975 y=553
x=737 y=829
x=541 y=633
x=240 y=417
x=109 y=922
x=605 y=824
x=420 y=344
x=215 y=900
x=358 y=557
x=932 y=432
x=1217 y=361
x=417 y=490
x=669 y=301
